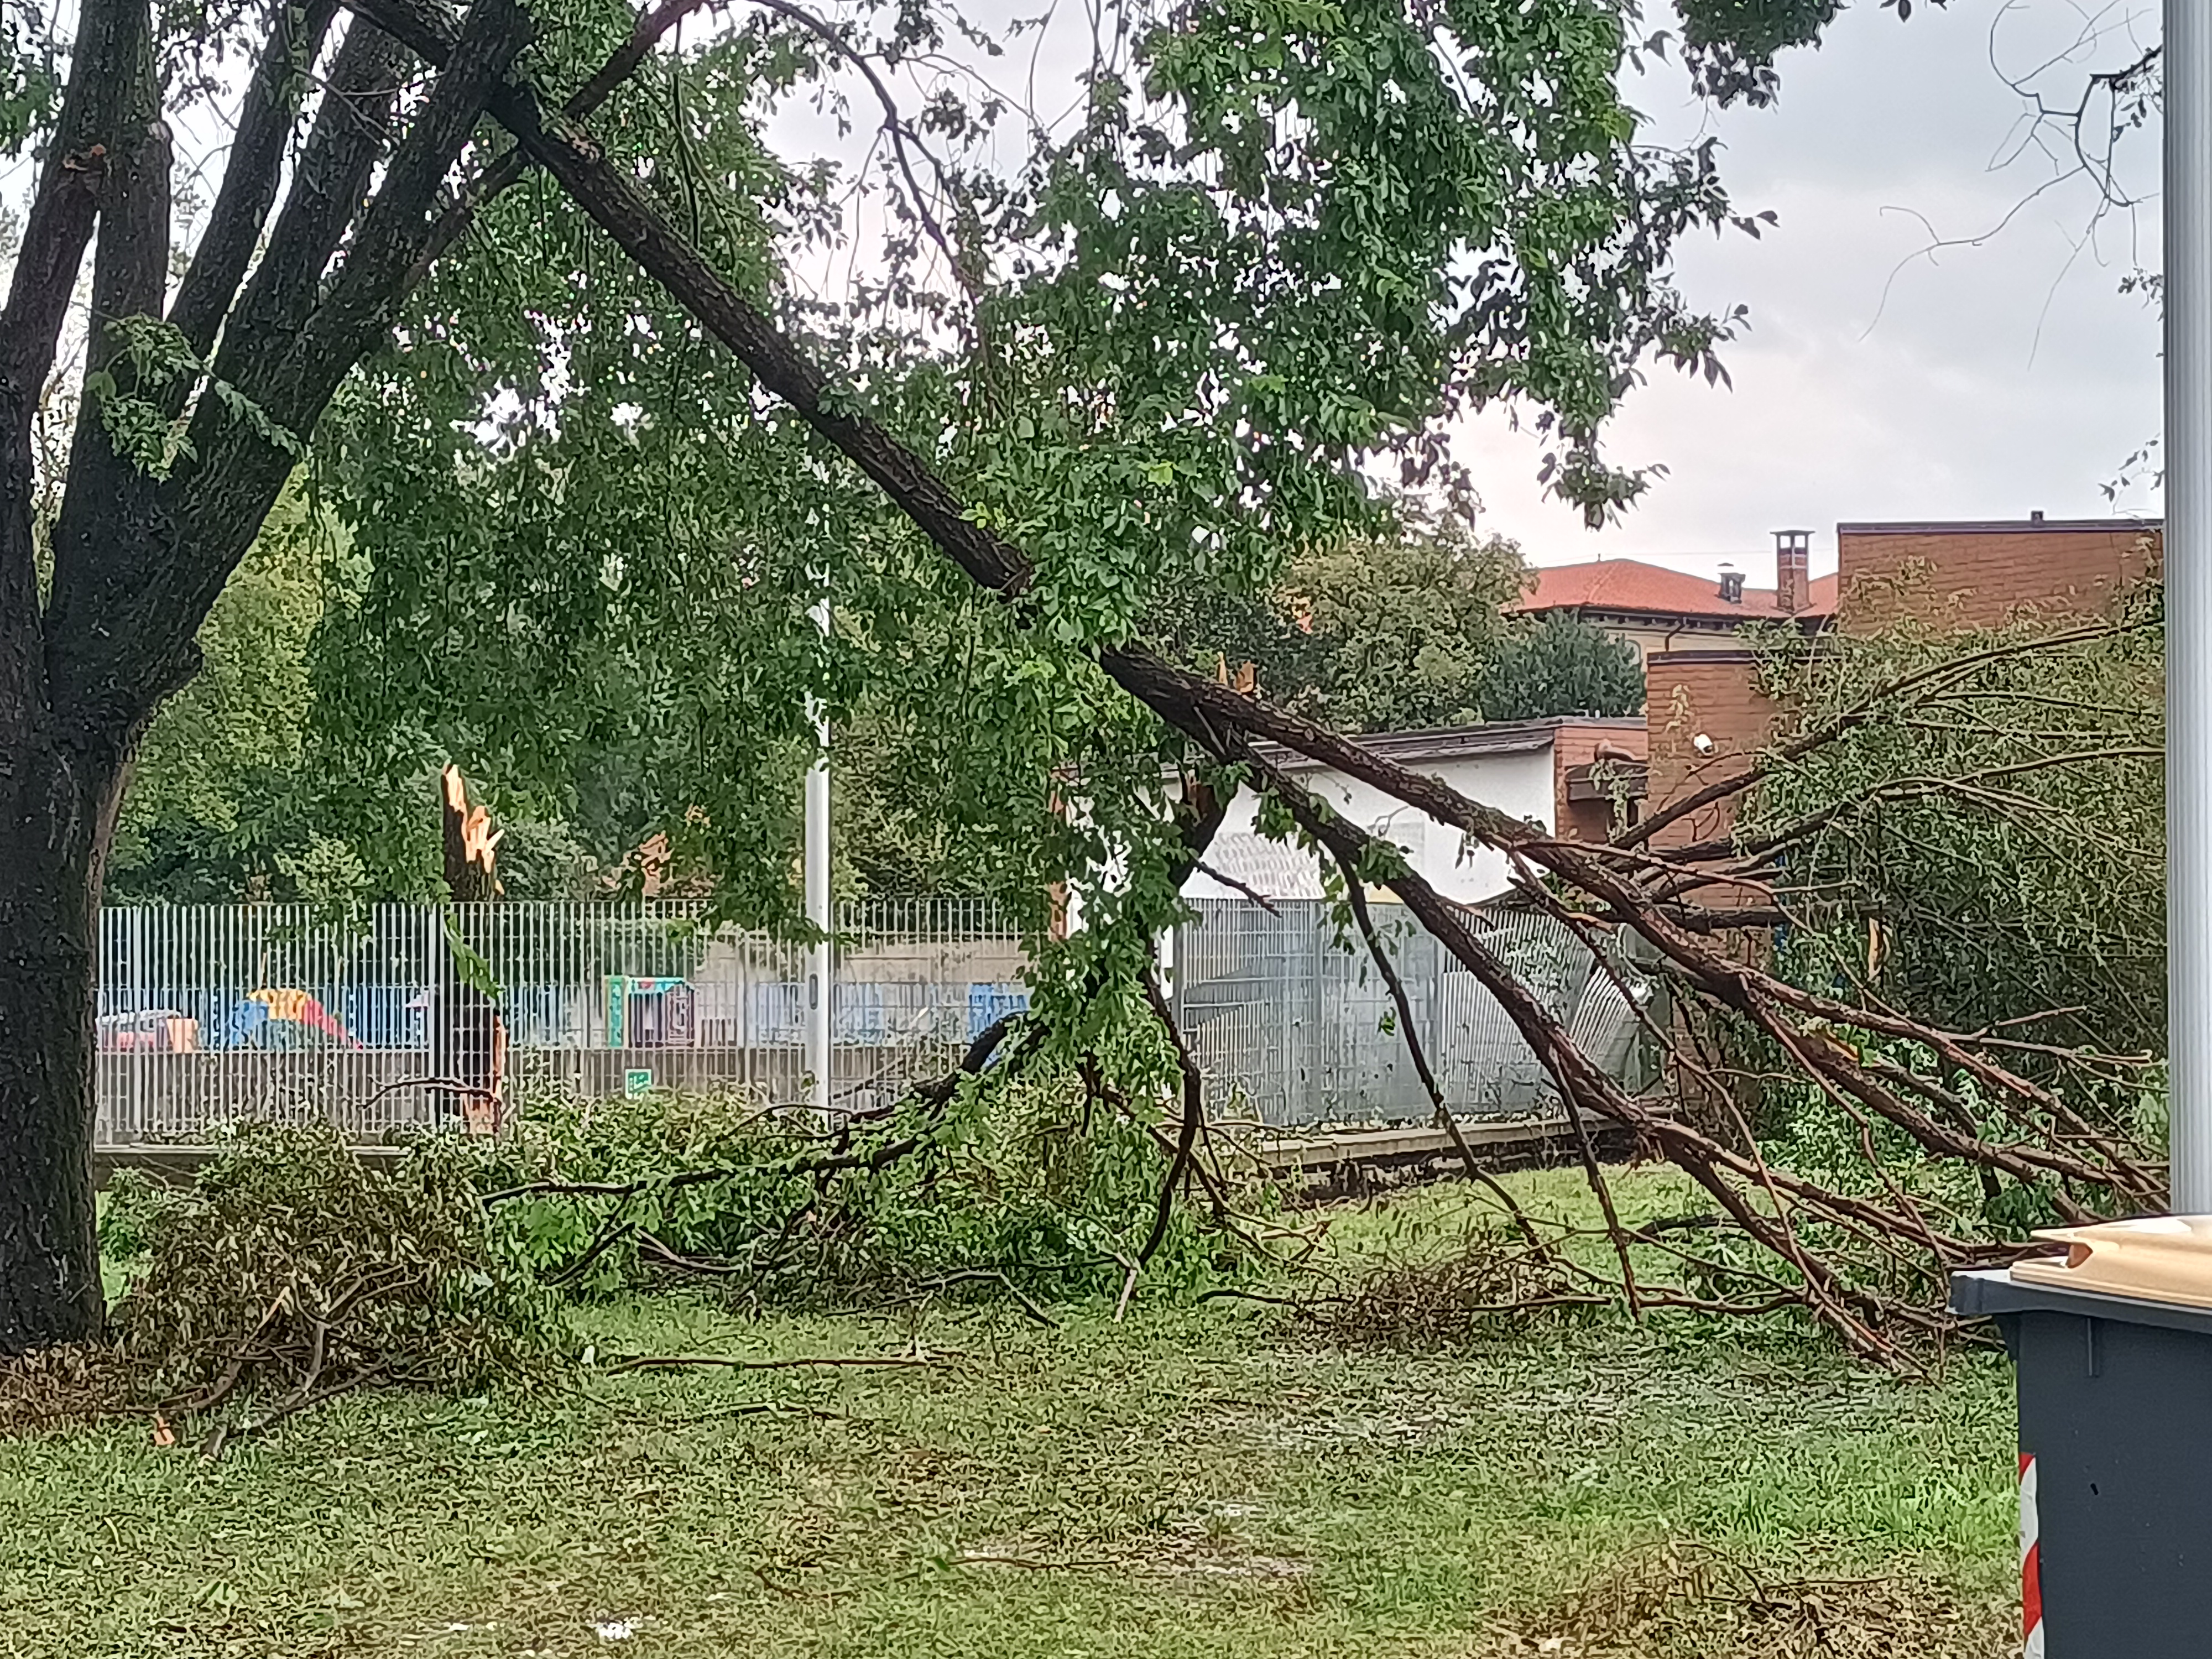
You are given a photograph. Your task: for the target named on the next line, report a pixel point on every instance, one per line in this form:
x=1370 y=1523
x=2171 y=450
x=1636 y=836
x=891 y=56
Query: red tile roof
x=1648 y=590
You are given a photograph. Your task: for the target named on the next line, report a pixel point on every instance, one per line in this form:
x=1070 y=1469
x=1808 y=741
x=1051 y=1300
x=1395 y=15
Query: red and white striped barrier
x=2031 y=1564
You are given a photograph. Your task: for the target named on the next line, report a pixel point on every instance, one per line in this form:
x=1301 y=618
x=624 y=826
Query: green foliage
x=560 y=1138
x=1391 y=632
x=1808 y=1132
x=1562 y=665
x=30 y=90
x=221 y=803
x=547 y=860
x=1730 y=45
x=1404 y=630
x=2000 y=826
x=1282 y=247
x=151 y=357
x=1977 y=840
x=284 y=1230
x=1295 y=235
x=1009 y=1178
x=575 y=561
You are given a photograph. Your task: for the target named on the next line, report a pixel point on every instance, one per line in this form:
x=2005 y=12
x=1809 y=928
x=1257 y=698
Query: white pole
x=820 y=966
x=2188 y=239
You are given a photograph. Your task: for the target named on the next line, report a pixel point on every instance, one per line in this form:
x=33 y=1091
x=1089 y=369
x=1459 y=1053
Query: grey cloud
x=1984 y=381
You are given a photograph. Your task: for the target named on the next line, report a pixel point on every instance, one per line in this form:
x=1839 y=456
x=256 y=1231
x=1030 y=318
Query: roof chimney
x=2036 y=517
x=1731 y=585
x=1793 y=574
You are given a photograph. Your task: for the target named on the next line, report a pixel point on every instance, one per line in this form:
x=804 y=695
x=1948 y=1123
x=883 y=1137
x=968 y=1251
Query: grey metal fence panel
x=215 y=1012
x=1293 y=1023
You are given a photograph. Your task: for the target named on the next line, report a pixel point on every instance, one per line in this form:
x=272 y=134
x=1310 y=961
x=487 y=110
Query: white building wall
x=1519 y=784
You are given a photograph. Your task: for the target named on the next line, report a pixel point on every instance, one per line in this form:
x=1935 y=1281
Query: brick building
x=1979 y=574
x=1706 y=712
x=1658 y=611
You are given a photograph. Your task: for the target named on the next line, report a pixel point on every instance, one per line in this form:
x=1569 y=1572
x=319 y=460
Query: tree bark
x=139 y=555
x=58 y=805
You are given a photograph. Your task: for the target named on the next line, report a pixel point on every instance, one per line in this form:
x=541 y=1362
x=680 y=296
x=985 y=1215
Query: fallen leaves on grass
x=1686 y=1602
x=59 y=1387
x=1494 y=1277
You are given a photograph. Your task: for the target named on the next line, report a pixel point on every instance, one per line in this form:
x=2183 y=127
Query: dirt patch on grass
x=60 y=1388
x=1679 y=1601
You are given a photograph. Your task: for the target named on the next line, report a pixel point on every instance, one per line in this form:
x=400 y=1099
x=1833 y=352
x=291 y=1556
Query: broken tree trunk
x=470 y=1041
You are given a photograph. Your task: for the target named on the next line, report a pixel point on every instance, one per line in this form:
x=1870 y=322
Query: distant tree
x=1202 y=626
x=215 y=808
x=1387 y=633
x=1404 y=630
x=1561 y=666
x=546 y=859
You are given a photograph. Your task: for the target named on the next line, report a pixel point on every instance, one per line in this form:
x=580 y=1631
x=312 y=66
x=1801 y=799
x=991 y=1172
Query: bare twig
x=998 y=1276
x=1356 y=895
x=1230 y=882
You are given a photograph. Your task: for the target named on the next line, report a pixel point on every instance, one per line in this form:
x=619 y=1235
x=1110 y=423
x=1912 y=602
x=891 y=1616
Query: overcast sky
x=1991 y=381
x=1873 y=381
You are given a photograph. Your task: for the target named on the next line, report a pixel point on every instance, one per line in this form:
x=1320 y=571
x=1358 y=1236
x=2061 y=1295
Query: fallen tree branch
x=1193 y=1113
x=1771 y=1206
x=1356 y=897
x=648 y=1362
x=612 y=1232
x=938 y=1093
x=998 y=1276
x=1230 y=882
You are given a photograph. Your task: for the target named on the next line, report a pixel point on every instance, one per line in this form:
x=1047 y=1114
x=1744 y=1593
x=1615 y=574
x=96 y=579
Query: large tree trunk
x=57 y=805
x=98 y=615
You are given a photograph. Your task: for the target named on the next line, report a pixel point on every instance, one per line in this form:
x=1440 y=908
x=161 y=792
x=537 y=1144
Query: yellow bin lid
x=2166 y=1258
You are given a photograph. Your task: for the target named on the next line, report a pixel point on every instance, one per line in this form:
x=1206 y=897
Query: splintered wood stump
x=470 y=1041
x=470 y=844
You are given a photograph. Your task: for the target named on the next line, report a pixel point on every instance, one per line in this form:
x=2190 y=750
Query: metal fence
x=1297 y=1028
x=214 y=1012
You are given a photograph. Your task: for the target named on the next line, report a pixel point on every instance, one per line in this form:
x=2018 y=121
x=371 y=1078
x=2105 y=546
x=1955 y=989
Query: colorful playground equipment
x=286 y=1018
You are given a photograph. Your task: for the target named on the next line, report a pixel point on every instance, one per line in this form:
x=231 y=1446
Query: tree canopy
x=1561 y=664
x=1992 y=854
x=1168 y=348
x=1396 y=633
x=528 y=297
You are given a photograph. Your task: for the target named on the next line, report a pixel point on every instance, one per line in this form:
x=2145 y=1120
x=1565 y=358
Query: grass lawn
x=1196 y=1481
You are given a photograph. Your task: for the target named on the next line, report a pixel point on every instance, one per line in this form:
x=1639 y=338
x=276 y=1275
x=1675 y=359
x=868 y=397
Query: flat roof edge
x=1990 y=526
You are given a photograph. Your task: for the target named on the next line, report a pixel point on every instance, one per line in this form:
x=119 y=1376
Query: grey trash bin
x=2115 y=1467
